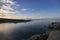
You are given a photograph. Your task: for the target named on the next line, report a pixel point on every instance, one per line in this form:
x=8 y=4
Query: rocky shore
x=46 y=36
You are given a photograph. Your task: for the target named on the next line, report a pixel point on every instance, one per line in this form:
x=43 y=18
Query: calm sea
x=19 y=31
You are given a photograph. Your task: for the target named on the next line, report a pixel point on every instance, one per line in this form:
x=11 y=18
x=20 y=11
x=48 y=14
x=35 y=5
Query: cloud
x=27 y=9
x=6 y=6
x=24 y=9
x=8 y=1
x=5 y=11
x=33 y=9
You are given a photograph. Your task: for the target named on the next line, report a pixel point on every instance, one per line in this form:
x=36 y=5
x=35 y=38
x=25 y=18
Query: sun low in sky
x=29 y=9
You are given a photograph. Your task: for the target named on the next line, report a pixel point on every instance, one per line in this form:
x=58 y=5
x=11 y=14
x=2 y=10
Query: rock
x=43 y=36
x=54 y=25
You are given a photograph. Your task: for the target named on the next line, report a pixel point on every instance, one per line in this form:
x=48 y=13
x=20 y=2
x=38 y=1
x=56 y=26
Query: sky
x=30 y=9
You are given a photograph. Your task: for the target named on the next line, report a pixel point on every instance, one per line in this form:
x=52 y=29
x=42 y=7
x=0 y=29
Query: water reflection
x=5 y=27
x=6 y=31
x=19 y=31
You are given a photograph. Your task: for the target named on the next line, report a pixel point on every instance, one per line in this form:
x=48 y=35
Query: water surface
x=19 y=31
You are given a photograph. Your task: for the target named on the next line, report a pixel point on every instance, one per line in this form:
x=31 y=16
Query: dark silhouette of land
x=5 y=20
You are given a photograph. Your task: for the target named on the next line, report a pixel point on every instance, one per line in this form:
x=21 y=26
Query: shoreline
x=46 y=35
x=4 y=20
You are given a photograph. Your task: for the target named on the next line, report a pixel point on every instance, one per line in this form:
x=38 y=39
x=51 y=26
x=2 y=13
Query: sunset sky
x=30 y=8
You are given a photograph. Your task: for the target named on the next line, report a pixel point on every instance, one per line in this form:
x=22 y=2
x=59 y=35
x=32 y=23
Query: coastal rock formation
x=43 y=36
x=54 y=35
x=47 y=35
x=54 y=25
x=55 y=32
